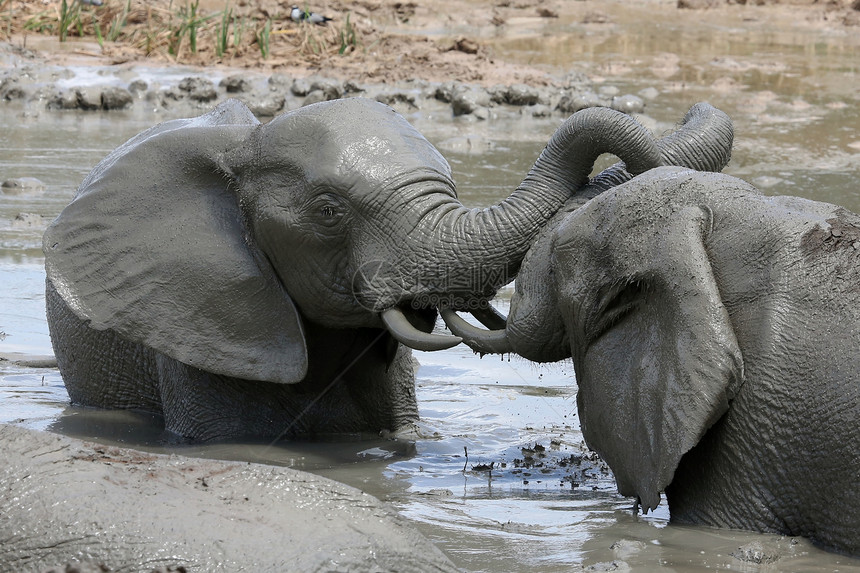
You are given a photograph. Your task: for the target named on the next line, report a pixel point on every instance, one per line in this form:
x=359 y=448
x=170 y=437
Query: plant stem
x=263 y=39
x=222 y=39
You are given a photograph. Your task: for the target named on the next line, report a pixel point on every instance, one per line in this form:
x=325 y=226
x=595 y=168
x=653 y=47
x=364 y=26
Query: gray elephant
x=715 y=335
x=249 y=279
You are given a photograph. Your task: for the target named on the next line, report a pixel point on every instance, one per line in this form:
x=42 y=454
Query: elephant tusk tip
x=445 y=342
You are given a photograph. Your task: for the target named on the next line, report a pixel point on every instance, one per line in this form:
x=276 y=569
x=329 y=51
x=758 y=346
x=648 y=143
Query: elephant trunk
x=702 y=142
x=483 y=248
x=536 y=331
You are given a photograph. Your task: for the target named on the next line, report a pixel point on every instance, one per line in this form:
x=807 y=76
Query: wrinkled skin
x=703 y=141
x=715 y=335
x=94 y=507
x=247 y=279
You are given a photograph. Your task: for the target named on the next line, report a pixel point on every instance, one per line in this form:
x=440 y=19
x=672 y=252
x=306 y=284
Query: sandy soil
x=379 y=41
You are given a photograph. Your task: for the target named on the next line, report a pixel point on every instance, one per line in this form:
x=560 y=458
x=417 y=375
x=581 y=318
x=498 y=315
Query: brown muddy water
x=545 y=504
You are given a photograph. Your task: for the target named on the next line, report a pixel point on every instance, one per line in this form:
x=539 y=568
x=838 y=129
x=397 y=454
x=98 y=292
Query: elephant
x=70 y=505
x=269 y=280
x=715 y=337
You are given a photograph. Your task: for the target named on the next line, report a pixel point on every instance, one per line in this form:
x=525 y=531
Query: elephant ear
x=660 y=362
x=154 y=247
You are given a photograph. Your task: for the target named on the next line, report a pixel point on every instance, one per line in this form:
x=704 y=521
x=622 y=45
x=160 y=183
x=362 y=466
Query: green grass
x=98 y=29
x=223 y=36
x=347 y=37
x=118 y=23
x=239 y=32
x=188 y=23
x=263 y=38
x=70 y=17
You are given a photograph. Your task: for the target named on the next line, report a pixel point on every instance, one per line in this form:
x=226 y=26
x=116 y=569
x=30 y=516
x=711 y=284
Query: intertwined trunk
x=480 y=249
x=534 y=328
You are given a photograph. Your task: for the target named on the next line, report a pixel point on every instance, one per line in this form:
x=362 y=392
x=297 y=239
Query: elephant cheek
x=320 y=288
x=535 y=331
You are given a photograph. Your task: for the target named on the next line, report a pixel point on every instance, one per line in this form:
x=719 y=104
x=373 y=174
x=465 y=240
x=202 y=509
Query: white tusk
x=404 y=332
x=479 y=340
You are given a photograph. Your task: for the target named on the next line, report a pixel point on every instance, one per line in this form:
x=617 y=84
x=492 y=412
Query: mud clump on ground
x=559 y=465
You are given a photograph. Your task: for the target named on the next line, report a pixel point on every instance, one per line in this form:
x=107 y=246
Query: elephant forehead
x=382 y=157
x=353 y=138
x=619 y=215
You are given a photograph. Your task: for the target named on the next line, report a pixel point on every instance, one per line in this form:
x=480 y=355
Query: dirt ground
x=381 y=41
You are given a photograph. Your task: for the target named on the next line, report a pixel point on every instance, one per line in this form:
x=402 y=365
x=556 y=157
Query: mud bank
x=115 y=509
x=31 y=85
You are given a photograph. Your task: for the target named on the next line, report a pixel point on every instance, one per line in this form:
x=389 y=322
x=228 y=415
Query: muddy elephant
x=248 y=279
x=715 y=336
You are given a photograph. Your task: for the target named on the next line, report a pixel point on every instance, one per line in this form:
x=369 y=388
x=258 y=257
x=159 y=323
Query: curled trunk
x=702 y=142
x=534 y=329
x=481 y=249
x=473 y=252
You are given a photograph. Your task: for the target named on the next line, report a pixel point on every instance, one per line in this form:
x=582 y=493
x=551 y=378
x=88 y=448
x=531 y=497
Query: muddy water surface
x=496 y=473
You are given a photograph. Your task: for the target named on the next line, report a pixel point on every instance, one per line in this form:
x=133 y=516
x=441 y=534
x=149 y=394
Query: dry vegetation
x=368 y=40
x=184 y=31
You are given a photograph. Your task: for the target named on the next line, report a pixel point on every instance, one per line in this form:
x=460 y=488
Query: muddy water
x=496 y=473
x=791 y=87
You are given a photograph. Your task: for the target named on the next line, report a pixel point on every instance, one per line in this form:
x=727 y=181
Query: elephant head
x=534 y=328
x=212 y=240
x=655 y=355
x=714 y=333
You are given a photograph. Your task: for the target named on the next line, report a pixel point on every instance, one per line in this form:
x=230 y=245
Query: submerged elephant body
x=240 y=278
x=353 y=384
x=715 y=334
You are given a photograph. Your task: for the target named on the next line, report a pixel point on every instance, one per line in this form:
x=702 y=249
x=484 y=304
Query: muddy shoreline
x=370 y=41
x=414 y=55
x=31 y=84
x=132 y=510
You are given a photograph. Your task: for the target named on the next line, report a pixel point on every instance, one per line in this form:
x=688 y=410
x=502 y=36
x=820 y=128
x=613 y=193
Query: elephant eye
x=326 y=210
